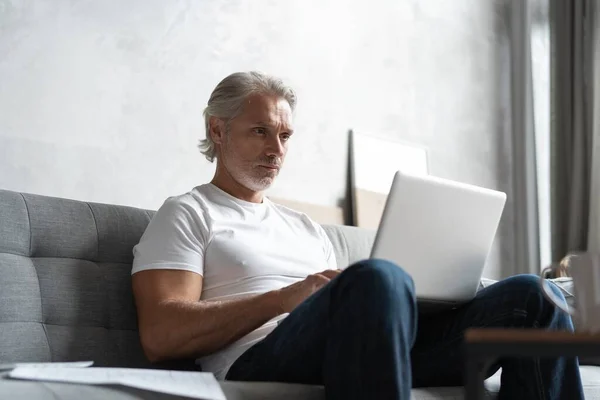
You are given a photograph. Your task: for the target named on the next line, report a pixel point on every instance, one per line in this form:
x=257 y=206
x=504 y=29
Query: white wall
x=102 y=100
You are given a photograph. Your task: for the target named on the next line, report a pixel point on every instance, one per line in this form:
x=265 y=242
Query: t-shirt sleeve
x=174 y=239
x=328 y=249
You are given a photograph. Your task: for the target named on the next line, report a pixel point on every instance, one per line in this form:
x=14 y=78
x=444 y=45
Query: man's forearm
x=192 y=329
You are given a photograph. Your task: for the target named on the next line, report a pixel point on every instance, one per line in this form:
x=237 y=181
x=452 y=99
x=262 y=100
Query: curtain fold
x=594 y=227
x=573 y=88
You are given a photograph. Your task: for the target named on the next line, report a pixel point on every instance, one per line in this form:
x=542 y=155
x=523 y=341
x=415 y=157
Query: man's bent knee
x=382 y=274
x=528 y=286
x=529 y=283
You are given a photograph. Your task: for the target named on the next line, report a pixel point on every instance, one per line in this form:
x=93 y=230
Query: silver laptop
x=440 y=232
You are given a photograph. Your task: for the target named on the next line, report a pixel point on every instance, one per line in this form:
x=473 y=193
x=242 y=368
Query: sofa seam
x=19 y=255
x=347 y=249
x=29 y=254
x=48 y=388
x=47 y=340
x=63 y=325
x=68 y=258
x=102 y=272
x=42 y=309
x=97 y=232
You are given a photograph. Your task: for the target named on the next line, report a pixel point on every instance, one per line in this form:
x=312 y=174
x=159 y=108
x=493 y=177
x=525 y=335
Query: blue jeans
x=361 y=337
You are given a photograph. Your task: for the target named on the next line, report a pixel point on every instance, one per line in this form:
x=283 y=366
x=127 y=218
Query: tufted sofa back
x=65 y=284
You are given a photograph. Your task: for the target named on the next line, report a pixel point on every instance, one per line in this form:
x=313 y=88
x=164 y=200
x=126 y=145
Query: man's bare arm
x=174 y=323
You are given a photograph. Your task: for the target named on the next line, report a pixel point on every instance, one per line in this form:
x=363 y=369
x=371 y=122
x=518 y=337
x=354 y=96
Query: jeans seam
x=538 y=376
x=536 y=365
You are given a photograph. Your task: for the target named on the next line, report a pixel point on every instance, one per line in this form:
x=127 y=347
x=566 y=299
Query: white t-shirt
x=240 y=248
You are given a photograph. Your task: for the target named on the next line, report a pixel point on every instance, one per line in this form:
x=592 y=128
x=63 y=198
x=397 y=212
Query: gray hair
x=228 y=97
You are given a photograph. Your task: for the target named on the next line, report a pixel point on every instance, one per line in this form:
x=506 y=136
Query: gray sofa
x=65 y=296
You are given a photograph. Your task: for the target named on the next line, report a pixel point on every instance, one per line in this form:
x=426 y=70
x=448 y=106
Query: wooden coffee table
x=484 y=346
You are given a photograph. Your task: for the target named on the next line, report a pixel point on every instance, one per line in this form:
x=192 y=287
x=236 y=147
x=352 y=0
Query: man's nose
x=275 y=147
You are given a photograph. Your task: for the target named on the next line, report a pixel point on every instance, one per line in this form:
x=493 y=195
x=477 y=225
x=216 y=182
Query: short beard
x=247 y=180
x=257 y=185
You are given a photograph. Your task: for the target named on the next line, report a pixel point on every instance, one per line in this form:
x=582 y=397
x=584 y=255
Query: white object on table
x=197 y=385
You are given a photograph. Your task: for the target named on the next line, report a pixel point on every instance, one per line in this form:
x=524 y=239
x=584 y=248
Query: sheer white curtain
x=540 y=63
x=525 y=186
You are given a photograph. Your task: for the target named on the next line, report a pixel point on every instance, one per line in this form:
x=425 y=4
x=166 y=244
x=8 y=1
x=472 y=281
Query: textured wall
x=102 y=100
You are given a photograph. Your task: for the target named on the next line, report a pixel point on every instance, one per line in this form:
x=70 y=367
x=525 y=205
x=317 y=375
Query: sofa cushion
x=66 y=284
x=350 y=243
x=14 y=229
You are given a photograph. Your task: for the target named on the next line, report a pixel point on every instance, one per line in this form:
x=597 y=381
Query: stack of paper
x=197 y=385
x=72 y=364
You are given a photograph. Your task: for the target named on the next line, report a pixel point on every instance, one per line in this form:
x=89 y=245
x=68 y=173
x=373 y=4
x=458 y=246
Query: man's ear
x=217 y=129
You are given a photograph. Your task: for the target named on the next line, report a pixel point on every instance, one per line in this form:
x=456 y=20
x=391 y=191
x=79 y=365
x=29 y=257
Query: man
x=252 y=288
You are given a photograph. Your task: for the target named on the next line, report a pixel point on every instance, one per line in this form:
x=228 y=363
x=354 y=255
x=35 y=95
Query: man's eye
x=259 y=131
x=285 y=137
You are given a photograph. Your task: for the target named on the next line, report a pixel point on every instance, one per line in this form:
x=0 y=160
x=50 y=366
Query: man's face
x=254 y=145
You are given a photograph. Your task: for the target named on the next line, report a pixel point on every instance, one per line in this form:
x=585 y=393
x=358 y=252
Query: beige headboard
x=368 y=208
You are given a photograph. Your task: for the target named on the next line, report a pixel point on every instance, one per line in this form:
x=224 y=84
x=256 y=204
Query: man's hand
x=291 y=296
